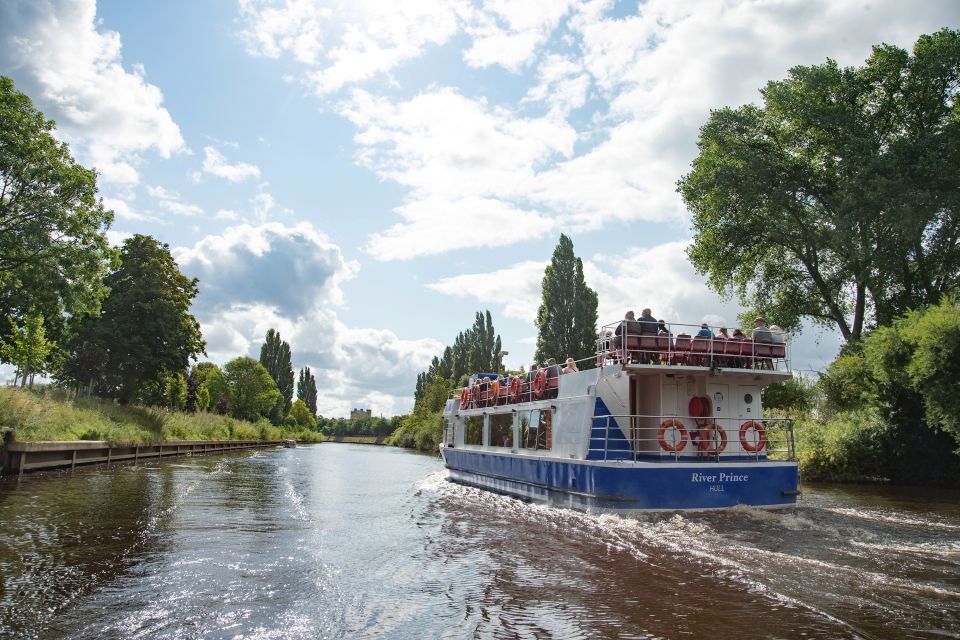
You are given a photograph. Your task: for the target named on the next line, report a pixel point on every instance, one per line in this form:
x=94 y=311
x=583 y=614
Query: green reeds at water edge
x=48 y=414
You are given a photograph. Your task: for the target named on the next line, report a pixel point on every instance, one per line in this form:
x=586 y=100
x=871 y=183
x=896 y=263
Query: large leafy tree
x=275 y=357
x=567 y=317
x=53 y=248
x=253 y=393
x=307 y=389
x=145 y=331
x=838 y=199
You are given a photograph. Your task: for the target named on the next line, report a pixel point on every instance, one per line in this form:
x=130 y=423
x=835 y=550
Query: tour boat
x=660 y=422
x=290 y=444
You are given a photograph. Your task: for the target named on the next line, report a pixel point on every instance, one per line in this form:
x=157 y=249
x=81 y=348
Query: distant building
x=356 y=414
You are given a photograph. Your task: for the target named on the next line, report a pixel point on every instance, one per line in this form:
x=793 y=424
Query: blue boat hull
x=627 y=485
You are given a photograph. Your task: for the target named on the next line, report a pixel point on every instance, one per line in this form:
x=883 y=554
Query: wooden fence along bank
x=18 y=457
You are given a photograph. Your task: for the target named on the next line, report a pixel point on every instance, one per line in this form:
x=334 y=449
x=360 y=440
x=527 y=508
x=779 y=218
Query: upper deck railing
x=679 y=345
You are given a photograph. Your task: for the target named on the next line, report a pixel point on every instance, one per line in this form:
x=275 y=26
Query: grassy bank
x=47 y=414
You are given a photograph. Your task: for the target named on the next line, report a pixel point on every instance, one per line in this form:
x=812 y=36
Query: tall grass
x=50 y=414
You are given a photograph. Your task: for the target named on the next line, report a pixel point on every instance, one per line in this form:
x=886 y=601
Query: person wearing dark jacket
x=648 y=324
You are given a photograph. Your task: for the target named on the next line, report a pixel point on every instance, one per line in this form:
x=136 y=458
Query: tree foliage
x=144 y=331
x=891 y=401
x=53 y=248
x=301 y=415
x=474 y=350
x=838 y=199
x=210 y=378
x=307 y=389
x=275 y=357
x=253 y=393
x=27 y=348
x=567 y=317
x=176 y=392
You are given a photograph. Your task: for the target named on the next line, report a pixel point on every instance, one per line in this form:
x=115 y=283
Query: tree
x=275 y=357
x=144 y=328
x=301 y=415
x=307 y=389
x=53 y=248
x=203 y=399
x=253 y=393
x=27 y=349
x=176 y=392
x=210 y=378
x=837 y=200
x=567 y=317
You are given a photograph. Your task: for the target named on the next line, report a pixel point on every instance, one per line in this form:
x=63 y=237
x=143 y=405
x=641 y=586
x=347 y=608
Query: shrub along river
x=347 y=541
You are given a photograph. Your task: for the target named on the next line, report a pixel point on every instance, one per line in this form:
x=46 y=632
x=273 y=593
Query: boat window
x=536 y=429
x=501 y=430
x=473 y=434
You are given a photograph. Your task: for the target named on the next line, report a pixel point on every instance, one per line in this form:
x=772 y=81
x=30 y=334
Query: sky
x=364 y=176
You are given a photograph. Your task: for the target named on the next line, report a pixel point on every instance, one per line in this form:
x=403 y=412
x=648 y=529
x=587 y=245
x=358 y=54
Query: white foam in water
x=878 y=516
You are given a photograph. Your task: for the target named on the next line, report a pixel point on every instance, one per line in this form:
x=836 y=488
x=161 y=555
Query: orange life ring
x=514 y=388
x=668 y=446
x=761 y=441
x=706 y=441
x=495 y=392
x=465 y=398
x=539 y=383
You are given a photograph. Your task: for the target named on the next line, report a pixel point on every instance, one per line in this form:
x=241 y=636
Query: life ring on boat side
x=707 y=443
x=495 y=392
x=514 y=389
x=669 y=446
x=465 y=398
x=539 y=383
x=761 y=433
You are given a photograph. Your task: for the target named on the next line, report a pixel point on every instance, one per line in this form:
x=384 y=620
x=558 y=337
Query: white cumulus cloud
x=73 y=70
x=215 y=163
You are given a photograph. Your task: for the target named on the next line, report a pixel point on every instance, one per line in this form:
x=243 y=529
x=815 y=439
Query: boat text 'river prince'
x=669 y=421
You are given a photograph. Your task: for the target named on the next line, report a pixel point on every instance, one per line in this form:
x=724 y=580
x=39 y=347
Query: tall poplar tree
x=567 y=317
x=307 y=389
x=275 y=357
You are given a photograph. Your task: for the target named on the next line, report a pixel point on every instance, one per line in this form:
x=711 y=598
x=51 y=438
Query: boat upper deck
x=637 y=345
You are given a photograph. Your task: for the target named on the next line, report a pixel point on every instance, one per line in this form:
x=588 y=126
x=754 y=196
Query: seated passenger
x=776 y=334
x=723 y=335
x=760 y=331
x=662 y=328
x=704 y=331
x=571 y=366
x=738 y=335
x=648 y=324
x=628 y=325
x=553 y=375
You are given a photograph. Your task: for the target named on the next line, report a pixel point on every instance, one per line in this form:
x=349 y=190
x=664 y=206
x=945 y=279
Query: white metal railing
x=689 y=437
x=678 y=344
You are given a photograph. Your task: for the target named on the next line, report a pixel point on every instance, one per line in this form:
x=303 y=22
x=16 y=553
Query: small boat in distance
x=662 y=422
x=290 y=444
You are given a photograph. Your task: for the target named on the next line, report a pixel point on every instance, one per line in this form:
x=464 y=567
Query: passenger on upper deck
x=704 y=331
x=662 y=328
x=648 y=324
x=776 y=334
x=528 y=381
x=738 y=335
x=553 y=375
x=628 y=325
x=723 y=335
x=760 y=331
x=571 y=366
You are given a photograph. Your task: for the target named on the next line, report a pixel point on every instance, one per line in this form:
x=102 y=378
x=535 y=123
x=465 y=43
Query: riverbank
x=358 y=439
x=54 y=415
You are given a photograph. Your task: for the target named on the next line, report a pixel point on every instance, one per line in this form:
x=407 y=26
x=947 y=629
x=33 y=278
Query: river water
x=354 y=541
